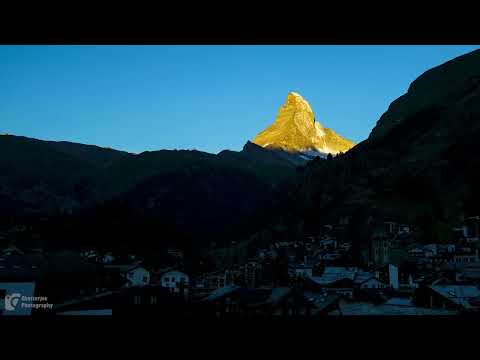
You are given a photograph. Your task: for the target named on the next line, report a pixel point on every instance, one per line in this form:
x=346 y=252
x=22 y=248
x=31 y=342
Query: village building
x=394 y=308
x=391 y=227
x=465 y=256
x=136 y=276
x=472 y=229
x=234 y=301
x=403 y=229
x=129 y=275
x=449 y=296
x=251 y=270
x=176 y=281
x=335 y=280
x=108 y=258
x=380 y=250
x=367 y=280
x=319 y=303
x=398 y=277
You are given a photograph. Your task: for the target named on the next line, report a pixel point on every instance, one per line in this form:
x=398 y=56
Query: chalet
x=366 y=280
x=176 y=281
x=136 y=276
x=398 y=277
x=451 y=297
x=244 y=302
x=335 y=280
x=380 y=246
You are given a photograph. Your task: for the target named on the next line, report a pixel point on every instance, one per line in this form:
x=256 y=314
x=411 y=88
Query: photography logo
x=16 y=303
x=11 y=301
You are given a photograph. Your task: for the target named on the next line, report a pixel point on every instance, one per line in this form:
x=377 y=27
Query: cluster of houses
x=397 y=276
x=316 y=276
x=87 y=282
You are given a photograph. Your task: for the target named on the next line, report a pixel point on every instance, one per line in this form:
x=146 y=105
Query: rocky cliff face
x=442 y=85
x=295 y=130
x=418 y=164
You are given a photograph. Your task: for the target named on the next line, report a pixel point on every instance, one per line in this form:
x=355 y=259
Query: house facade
x=137 y=276
x=176 y=281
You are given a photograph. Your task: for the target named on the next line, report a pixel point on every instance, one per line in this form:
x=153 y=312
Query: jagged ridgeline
x=97 y=196
x=419 y=163
x=296 y=131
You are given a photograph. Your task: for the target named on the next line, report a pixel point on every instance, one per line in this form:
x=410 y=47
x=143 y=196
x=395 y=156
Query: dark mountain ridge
x=103 y=196
x=417 y=166
x=419 y=163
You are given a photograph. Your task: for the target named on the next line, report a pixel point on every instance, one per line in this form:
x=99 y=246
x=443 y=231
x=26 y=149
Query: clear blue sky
x=209 y=98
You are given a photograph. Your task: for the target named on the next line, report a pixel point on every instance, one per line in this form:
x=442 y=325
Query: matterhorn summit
x=296 y=131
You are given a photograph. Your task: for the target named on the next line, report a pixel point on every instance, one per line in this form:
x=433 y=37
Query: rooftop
x=361 y=308
x=333 y=274
x=397 y=301
x=221 y=292
x=459 y=294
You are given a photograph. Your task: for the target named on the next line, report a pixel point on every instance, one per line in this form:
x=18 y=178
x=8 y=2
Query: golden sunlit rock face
x=295 y=130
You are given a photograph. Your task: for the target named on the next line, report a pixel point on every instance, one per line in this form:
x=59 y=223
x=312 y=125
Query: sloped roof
x=320 y=300
x=459 y=294
x=85 y=299
x=362 y=276
x=362 y=308
x=278 y=294
x=334 y=274
x=397 y=301
x=220 y=292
